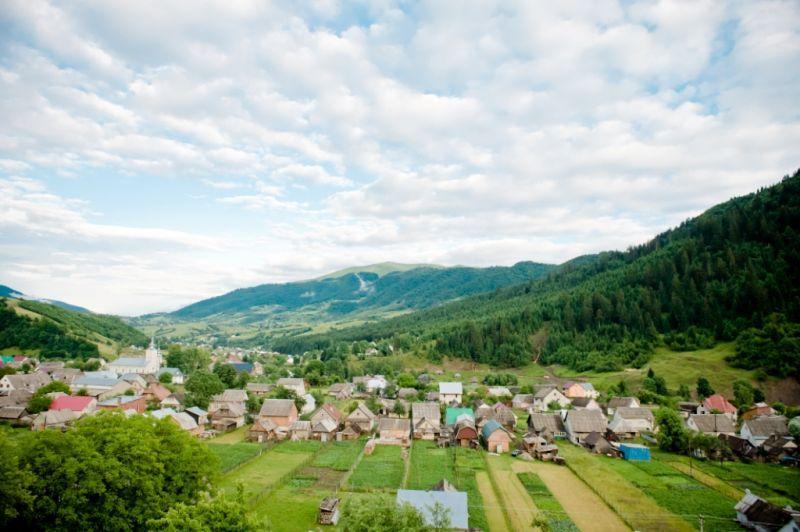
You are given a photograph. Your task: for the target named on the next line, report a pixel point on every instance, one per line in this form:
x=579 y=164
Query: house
x=758 y=430
x=328 y=411
x=589 y=391
x=15 y=415
x=718 y=404
x=186 y=422
x=522 y=400
x=53 y=419
x=586 y=403
x=739 y=446
x=340 y=390
x=348 y=433
x=259 y=389
x=407 y=393
x=371 y=384
x=324 y=430
x=227 y=416
x=282 y=412
x=450 y=393
x=175 y=373
x=226 y=397
x=544 y=397
x=635 y=452
x=505 y=416
x=483 y=413
x=100 y=387
x=21 y=381
x=309 y=404
x=432 y=396
x=66 y=375
x=50 y=366
x=629 y=422
x=758 y=410
x=16 y=398
x=173 y=400
x=135 y=380
x=156 y=392
x=298 y=386
x=755 y=513
x=362 y=417
x=299 y=430
x=328 y=511
x=262 y=430
x=147 y=364
x=580 y=389
x=81 y=405
x=616 y=402
x=687 y=408
x=425 y=420
x=496 y=438
x=453 y=414
x=465 y=433
x=776 y=448
x=549 y=426
x=499 y=392
x=579 y=423
x=199 y=415
x=390 y=428
x=136 y=403
x=713 y=424
x=454 y=502
x=599 y=444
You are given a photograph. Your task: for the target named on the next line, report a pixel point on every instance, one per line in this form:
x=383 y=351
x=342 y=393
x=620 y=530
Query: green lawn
x=468 y=462
x=383 y=469
x=231 y=455
x=556 y=516
x=290 y=509
x=339 y=455
x=429 y=465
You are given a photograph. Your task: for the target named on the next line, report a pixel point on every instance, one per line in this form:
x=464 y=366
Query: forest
x=726 y=273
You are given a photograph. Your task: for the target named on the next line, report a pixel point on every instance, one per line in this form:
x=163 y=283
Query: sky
x=154 y=153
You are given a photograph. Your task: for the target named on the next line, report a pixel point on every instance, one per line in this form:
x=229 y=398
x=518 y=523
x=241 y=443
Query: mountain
x=379 y=269
x=362 y=289
x=730 y=271
x=57 y=332
x=6 y=291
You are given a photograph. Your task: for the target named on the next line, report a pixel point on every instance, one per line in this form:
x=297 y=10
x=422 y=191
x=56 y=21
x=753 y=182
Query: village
x=493 y=457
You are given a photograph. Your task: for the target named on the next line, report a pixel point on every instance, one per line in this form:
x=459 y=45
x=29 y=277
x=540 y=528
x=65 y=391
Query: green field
x=546 y=503
x=429 y=465
x=339 y=455
x=232 y=455
x=383 y=469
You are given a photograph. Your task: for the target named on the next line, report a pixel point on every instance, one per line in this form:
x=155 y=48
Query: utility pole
x=702 y=521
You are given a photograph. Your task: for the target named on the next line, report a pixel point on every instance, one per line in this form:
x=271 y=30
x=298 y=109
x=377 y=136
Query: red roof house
x=720 y=404
x=77 y=403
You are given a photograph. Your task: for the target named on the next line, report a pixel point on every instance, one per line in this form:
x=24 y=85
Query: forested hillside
x=60 y=333
x=416 y=288
x=733 y=269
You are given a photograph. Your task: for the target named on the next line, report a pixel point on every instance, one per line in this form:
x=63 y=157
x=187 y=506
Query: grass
x=383 y=469
x=520 y=509
x=547 y=503
x=234 y=436
x=339 y=455
x=289 y=509
x=636 y=508
x=429 y=465
x=495 y=519
x=232 y=455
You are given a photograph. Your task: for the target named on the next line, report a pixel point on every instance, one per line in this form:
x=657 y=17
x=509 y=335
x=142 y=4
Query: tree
x=399 y=409
x=440 y=517
x=165 y=378
x=111 y=472
x=704 y=388
x=222 y=514
x=671 y=434
x=683 y=392
x=381 y=513
x=201 y=386
x=40 y=401
x=226 y=374
x=742 y=394
x=282 y=392
x=15 y=481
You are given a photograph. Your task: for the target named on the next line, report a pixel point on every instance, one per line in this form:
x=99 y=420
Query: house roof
x=55 y=417
x=259 y=387
x=291 y=381
x=764 y=513
x=582 y=402
x=160 y=391
x=586 y=421
x=406 y=392
x=338 y=387
x=263 y=425
x=766 y=426
x=423 y=502
x=617 y=402
x=161 y=413
x=69 y=402
x=361 y=411
x=551 y=422
x=497 y=391
x=394 y=423
x=505 y=416
x=300 y=425
x=12 y=412
x=30 y=381
x=451 y=388
x=626 y=412
x=541 y=393
x=231 y=396
x=196 y=410
x=119 y=400
x=588 y=386
x=491 y=427
x=133 y=362
x=325 y=425
x=330 y=411
x=523 y=398
x=277 y=408
x=428 y=410
x=185 y=421
x=452 y=414
x=713 y=422
x=95 y=382
x=718 y=402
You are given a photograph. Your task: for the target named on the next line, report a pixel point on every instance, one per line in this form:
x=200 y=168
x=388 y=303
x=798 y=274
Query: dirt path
x=494 y=512
x=583 y=506
x=516 y=501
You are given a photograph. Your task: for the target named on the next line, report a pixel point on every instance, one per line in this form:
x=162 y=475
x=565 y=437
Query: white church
x=149 y=364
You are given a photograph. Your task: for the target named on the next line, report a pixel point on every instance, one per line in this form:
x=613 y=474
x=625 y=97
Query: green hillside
x=735 y=267
x=379 y=269
x=55 y=332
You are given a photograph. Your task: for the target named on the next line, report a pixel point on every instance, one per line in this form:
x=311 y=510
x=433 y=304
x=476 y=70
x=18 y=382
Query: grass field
x=383 y=469
x=234 y=436
x=544 y=500
x=638 y=510
x=495 y=517
x=583 y=506
x=233 y=454
x=515 y=499
x=429 y=465
x=339 y=455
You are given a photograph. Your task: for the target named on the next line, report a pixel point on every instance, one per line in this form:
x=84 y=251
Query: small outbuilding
x=635 y=452
x=328 y=511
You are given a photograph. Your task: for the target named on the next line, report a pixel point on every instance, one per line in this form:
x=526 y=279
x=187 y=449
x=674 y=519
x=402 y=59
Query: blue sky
x=155 y=153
